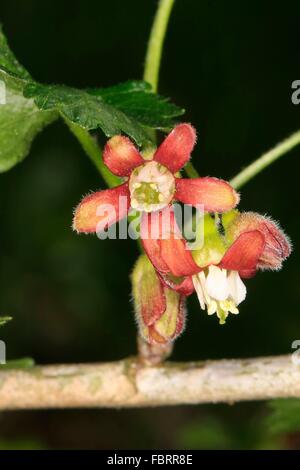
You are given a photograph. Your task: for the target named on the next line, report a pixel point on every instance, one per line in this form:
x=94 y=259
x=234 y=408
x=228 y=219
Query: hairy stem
x=156 y=41
x=93 y=150
x=153 y=354
x=265 y=160
x=128 y=383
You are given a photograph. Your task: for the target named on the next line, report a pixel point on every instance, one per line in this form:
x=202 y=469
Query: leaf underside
x=20 y=118
x=20 y=121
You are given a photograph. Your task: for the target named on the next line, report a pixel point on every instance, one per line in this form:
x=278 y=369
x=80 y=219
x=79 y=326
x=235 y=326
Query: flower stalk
x=156 y=42
x=94 y=152
x=265 y=160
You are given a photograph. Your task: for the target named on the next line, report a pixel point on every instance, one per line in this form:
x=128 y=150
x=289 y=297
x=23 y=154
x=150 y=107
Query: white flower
x=220 y=290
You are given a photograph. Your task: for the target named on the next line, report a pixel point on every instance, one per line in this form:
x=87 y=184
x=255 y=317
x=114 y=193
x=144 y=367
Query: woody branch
x=127 y=383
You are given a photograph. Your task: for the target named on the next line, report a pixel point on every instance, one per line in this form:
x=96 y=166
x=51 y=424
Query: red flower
x=151 y=185
x=168 y=251
x=256 y=242
x=250 y=242
x=269 y=253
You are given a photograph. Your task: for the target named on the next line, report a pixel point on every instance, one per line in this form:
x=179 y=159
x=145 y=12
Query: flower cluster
x=235 y=246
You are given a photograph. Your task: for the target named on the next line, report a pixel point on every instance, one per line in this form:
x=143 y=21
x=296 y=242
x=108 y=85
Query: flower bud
x=277 y=245
x=159 y=310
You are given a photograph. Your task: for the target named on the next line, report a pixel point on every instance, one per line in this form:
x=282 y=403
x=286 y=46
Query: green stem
x=154 y=53
x=265 y=160
x=191 y=170
x=156 y=41
x=93 y=150
x=151 y=73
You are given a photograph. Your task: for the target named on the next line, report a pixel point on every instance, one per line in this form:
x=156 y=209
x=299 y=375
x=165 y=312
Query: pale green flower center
x=152 y=187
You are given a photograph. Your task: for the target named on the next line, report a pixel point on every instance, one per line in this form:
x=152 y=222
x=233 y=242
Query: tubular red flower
x=277 y=246
x=183 y=285
x=99 y=210
x=244 y=253
x=164 y=244
x=151 y=188
x=152 y=185
x=175 y=150
x=214 y=194
x=253 y=242
x=121 y=156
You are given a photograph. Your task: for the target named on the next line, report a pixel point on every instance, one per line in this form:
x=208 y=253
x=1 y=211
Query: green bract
x=227 y=220
x=213 y=247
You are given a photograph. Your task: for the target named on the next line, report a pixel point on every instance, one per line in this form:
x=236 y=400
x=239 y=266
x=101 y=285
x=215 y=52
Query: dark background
x=231 y=65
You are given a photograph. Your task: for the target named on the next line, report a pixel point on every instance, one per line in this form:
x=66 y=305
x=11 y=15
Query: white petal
x=216 y=283
x=212 y=307
x=199 y=290
x=202 y=278
x=237 y=288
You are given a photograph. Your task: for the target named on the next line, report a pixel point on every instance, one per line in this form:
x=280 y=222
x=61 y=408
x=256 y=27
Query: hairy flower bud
x=159 y=310
x=235 y=246
x=277 y=246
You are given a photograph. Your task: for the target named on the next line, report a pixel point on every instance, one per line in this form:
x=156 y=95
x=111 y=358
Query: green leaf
x=86 y=110
x=127 y=108
x=284 y=416
x=11 y=72
x=4 y=320
x=20 y=121
x=136 y=99
x=130 y=108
